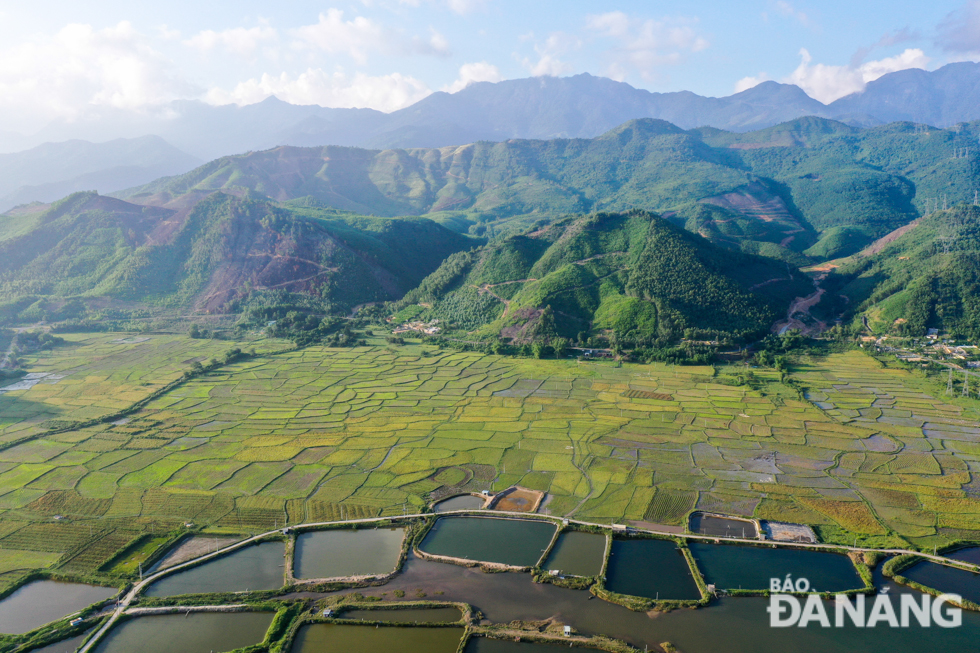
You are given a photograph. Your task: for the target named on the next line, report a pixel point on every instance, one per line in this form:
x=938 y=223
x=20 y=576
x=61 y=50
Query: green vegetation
x=809 y=187
x=322 y=433
x=632 y=279
x=225 y=250
x=926 y=278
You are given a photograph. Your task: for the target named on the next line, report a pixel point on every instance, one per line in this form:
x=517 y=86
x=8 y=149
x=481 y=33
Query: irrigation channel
x=683 y=589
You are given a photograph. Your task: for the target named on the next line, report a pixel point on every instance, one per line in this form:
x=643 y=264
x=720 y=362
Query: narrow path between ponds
x=124 y=604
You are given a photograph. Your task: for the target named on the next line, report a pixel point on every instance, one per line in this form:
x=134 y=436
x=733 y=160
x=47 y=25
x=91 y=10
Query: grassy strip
x=547 y=632
x=136 y=543
x=51 y=633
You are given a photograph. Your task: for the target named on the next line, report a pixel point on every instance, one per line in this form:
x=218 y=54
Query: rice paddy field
x=870 y=456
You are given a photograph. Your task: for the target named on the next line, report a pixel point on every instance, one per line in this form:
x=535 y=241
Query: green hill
x=224 y=247
x=928 y=277
x=807 y=188
x=632 y=276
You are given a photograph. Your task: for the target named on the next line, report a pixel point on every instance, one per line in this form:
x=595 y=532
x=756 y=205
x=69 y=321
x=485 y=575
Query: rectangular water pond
x=40 y=602
x=487 y=645
x=516 y=542
x=335 y=553
x=750 y=567
x=655 y=569
x=253 y=567
x=577 y=554
x=946 y=579
x=338 y=638
x=406 y=615
x=197 y=632
x=722 y=527
x=462 y=502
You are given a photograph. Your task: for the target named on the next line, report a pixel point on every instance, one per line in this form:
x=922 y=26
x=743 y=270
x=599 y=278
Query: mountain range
x=53 y=170
x=580 y=106
x=808 y=189
x=346 y=226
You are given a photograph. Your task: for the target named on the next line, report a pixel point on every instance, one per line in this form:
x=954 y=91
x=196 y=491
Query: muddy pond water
x=37 y=603
x=750 y=567
x=731 y=624
x=346 y=552
x=340 y=638
x=462 y=502
x=253 y=567
x=578 y=554
x=650 y=568
x=197 y=632
x=946 y=579
x=406 y=615
x=506 y=541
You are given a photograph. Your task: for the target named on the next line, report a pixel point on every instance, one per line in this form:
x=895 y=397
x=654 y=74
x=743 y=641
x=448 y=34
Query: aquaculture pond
x=342 y=638
x=253 y=567
x=655 y=569
x=730 y=624
x=37 y=603
x=347 y=552
x=517 y=542
x=946 y=579
x=196 y=632
x=577 y=554
x=406 y=615
x=722 y=527
x=462 y=502
x=969 y=554
x=750 y=567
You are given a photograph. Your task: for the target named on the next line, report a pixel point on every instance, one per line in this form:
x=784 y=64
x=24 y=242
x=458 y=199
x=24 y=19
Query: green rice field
x=321 y=434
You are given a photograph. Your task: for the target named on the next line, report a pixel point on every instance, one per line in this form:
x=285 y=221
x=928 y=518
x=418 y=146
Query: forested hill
x=807 y=189
x=926 y=278
x=224 y=247
x=633 y=276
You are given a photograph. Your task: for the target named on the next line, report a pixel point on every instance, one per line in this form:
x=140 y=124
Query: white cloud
x=959 y=31
x=474 y=72
x=643 y=45
x=828 y=83
x=240 y=41
x=460 y=7
x=63 y=75
x=746 y=83
x=360 y=36
x=549 y=53
x=334 y=35
x=789 y=11
x=315 y=86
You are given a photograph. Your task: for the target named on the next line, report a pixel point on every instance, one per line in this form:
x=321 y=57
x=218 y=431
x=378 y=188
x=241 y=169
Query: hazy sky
x=62 y=58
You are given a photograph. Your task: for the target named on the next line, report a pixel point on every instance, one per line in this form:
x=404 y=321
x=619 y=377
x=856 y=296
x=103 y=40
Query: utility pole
x=966 y=383
x=949 y=382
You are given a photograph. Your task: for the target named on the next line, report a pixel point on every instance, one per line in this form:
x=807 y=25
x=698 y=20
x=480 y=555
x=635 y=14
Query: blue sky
x=60 y=60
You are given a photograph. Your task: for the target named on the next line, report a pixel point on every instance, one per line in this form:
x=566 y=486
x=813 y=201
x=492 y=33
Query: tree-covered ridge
x=929 y=277
x=219 y=251
x=632 y=277
x=812 y=185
